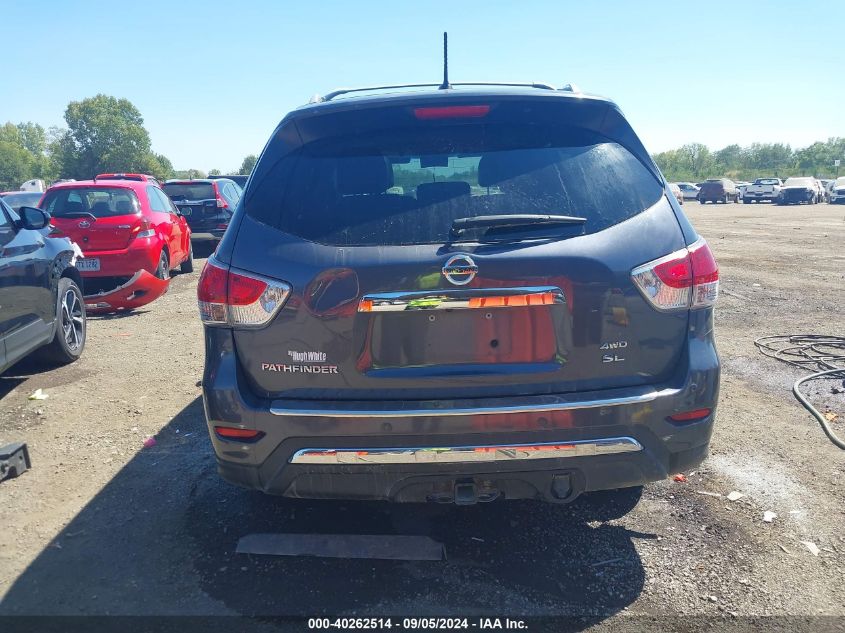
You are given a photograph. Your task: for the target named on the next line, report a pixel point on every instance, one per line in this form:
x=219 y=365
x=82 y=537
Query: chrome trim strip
x=450 y=299
x=535 y=404
x=466 y=454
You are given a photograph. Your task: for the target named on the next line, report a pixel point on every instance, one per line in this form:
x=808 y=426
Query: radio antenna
x=445 y=85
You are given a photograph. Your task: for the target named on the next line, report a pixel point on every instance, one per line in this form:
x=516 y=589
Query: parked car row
x=67 y=247
x=803 y=189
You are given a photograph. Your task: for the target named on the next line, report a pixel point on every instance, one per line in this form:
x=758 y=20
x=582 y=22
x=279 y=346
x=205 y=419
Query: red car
x=122 y=227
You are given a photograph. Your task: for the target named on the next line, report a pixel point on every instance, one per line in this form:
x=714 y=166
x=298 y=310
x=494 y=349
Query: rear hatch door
x=197 y=201
x=98 y=218
x=397 y=296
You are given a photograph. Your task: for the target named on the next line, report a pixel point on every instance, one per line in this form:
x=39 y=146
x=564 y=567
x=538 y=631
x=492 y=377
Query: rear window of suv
x=101 y=202
x=406 y=186
x=179 y=192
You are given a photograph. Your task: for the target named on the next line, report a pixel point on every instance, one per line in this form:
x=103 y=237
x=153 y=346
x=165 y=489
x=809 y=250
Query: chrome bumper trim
x=536 y=404
x=466 y=299
x=466 y=454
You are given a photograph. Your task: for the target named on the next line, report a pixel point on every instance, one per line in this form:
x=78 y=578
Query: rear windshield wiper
x=513 y=220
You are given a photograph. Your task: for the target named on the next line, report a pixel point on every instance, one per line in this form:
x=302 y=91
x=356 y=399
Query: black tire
x=702 y=201
x=71 y=326
x=163 y=268
x=188 y=265
x=747 y=201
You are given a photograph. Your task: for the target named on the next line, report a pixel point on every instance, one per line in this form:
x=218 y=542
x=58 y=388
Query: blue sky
x=212 y=79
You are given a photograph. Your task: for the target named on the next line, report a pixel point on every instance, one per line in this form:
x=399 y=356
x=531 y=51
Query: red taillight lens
x=705 y=289
x=228 y=297
x=690 y=416
x=452 y=112
x=211 y=293
x=143 y=229
x=242 y=435
x=221 y=203
x=688 y=278
x=244 y=290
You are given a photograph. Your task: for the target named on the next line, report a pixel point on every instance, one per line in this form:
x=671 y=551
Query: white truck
x=762 y=189
x=35 y=185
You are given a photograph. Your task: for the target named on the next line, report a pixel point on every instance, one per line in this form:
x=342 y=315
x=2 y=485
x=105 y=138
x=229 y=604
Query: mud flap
x=142 y=289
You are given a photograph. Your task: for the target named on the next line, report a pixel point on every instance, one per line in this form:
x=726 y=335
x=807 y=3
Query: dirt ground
x=101 y=525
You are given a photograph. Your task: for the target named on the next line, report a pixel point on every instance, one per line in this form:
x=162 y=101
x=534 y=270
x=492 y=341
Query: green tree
x=163 y=168
x=215 y=172
x=249 y=164
x=187 y=174
x=32 y=137
x=16 y=165
x=105 y=134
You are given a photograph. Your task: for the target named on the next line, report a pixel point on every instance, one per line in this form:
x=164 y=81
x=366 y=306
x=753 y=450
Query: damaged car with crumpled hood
x=131 y=235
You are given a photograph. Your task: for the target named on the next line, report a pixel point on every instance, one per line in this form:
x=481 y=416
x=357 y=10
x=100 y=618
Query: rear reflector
x=690 y=416
x=228 y=297
x=242 y=435
x=452 y=112
x=685 y=279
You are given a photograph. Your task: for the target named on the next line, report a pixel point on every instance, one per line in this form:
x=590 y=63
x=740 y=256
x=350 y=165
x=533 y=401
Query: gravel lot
x=101 y=525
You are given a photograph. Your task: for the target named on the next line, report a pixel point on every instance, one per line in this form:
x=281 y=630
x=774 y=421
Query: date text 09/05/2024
x=412 y=624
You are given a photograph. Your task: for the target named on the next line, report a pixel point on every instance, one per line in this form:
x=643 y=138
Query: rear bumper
x=208 y=236
x=141 y=254
x=208 y=228
x=417 y=451
x=795 y=196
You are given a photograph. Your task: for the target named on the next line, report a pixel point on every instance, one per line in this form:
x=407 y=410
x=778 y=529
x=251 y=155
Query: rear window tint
x=189 y=191
x=101 y=202
x=406 y=186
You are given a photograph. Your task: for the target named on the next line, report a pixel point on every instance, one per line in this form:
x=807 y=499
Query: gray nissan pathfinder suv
x=458 y=295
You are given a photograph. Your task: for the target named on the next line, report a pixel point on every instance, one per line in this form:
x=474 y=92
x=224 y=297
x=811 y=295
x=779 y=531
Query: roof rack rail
x=342 y=91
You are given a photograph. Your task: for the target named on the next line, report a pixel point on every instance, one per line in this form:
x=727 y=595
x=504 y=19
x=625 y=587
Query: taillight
x=221 y=203
x=230 y=297
x=686 y=279
x=143 y=229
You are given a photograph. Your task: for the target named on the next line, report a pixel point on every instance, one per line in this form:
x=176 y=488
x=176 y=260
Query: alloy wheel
x=73 y=323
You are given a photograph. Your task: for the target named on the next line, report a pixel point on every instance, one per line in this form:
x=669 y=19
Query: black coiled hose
x=822 y=354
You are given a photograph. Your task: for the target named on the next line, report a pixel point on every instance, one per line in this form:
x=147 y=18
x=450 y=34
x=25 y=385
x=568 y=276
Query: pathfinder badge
x=303 y=357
